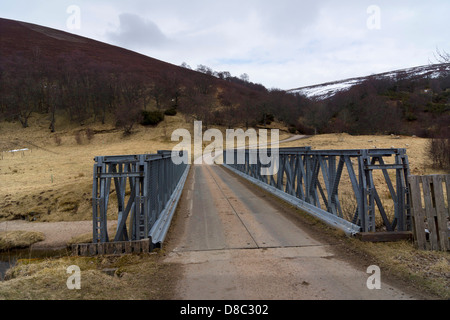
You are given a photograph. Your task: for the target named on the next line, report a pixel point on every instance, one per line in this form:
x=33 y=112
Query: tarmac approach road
x=234 y=243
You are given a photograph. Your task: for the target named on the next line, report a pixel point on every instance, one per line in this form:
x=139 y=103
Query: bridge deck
x=225 y=214
x=235 y=243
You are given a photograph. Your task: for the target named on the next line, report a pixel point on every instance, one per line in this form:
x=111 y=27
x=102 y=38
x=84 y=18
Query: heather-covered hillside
x=59 y=74
x=52 y=72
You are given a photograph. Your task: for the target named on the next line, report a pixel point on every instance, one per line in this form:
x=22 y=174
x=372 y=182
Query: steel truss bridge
x=340 y=187
x=312 y=179
x=147 y=189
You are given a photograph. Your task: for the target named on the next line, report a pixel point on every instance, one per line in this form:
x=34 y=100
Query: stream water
x=8 y=259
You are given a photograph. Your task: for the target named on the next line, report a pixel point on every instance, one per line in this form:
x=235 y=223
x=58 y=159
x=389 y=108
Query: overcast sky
x=282 y=44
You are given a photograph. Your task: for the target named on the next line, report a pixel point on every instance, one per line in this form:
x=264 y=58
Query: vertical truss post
x=143 y=185
x=402 y=174
x=369 y=187
x=96 y=202
x=314 y=176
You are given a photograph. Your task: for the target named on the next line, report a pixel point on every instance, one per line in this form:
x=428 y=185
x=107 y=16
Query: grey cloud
x=288 y=17
x=135 y=32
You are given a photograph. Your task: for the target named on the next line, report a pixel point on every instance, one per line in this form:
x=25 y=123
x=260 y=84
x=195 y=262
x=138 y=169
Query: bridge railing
x=146 y=189
x=354 y=190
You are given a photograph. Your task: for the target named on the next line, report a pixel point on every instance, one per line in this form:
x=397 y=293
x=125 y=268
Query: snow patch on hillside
x=327 y=90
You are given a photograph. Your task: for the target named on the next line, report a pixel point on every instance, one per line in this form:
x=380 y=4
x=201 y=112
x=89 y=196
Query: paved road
x=236 y=245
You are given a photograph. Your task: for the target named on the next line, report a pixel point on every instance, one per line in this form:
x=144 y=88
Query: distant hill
x=413 y=101
x=50 y=71
x=62 y=75
x=25 y=39
x=329 y=89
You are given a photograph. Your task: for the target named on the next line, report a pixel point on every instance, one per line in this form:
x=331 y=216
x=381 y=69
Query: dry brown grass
x=136 y=277
x=428 y=271
x=53 y=182
x=416 y=147
x=11 y=240
x=417 y=157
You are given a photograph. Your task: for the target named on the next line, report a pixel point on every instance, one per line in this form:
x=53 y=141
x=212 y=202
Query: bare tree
x=173 y=90
x=199 y=103
x=247 y=112
x=230 y=100
x=127 y=115
x=442 y=56
x=55 y=103
x=244 y=77
x=158 y=93
x=22 y=99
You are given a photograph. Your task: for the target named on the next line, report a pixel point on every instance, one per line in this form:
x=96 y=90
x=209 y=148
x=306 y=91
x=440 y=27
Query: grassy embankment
x=52 y=182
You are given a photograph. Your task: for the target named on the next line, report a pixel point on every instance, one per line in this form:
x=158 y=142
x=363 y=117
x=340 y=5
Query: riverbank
x=48 y=240
x=57 y=235
x=40 y=271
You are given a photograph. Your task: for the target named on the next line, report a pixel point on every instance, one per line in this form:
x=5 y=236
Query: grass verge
x=424 y=273
x=130 y=277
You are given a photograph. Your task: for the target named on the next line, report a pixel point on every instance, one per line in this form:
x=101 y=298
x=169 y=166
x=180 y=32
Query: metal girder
x=316 y=176
x=144 y=186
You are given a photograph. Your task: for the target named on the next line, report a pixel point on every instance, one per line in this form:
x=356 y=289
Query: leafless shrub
x=127 y=115
x=89 y=134
x=78 y=137
x=439 y=152
x=349 y=205
x=57 y=139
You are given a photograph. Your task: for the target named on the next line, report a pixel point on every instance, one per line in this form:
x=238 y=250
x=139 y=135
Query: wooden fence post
x=430 y=210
